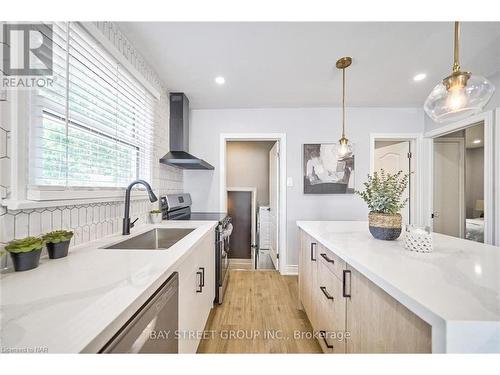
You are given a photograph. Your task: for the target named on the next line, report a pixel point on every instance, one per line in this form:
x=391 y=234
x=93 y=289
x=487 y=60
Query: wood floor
x=260 y=314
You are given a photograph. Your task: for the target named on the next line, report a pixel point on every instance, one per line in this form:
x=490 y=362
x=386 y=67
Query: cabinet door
x=206 y=264
x=378 y=323
x=330 y=311
x=308 y=279
x=303 y=270
x=196 y=293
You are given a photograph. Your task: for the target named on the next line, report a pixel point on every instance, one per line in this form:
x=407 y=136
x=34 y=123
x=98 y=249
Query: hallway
x=259 y=315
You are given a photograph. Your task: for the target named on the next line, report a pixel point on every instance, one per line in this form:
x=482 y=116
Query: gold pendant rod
x=456 y=52
x=343 y=103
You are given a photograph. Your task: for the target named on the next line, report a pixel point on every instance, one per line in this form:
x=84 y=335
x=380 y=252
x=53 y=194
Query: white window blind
x=94 y=126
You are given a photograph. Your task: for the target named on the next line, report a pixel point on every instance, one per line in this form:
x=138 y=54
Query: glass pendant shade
x=458 y=102
x=344 y=148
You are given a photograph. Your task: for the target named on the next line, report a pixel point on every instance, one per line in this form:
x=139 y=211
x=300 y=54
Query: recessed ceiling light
x=419 y=77
x=220 y=80
x=476 y=141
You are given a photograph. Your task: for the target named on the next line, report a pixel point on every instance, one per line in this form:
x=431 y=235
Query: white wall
x=302 y=125
x=492 y=104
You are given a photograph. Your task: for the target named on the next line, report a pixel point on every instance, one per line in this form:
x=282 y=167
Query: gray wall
x=492 y=104
x=301 y=125
x=247 y=165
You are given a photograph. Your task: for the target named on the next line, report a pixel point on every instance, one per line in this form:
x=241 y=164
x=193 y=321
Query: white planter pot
x=155 y=218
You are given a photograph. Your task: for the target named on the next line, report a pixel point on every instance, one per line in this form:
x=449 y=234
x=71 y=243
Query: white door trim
x=489 y=208
x=281 y=139
x=417 y=215
x=496 y=183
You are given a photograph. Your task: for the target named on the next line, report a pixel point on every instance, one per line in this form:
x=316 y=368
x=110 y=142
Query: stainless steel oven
x=178 y=207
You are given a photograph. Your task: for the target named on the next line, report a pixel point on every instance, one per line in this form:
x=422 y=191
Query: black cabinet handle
x=325 y=292
x=325 y=257
x=323 y=336
x=344 y=283
x=312 y=251
x=202 y=276
x=199 y=273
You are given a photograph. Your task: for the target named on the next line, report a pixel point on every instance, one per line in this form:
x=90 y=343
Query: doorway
x=252 y=166
x=458 y=191
x=394 y=153
x=251 y=179
x=241 y=209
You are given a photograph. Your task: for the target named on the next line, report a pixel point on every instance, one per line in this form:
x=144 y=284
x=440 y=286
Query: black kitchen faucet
x=126 y=220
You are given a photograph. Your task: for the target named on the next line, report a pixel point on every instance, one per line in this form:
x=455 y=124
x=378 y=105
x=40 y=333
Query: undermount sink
x=155 y=239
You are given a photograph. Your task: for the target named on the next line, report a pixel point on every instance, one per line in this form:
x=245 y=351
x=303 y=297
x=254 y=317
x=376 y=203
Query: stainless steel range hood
x=179 y=155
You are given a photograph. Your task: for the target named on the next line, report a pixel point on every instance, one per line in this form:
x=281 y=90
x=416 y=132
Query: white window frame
x=20 y=116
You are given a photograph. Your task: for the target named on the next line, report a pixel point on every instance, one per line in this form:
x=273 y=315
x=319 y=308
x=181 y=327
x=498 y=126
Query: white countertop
x=456 y=288
x=75 y=304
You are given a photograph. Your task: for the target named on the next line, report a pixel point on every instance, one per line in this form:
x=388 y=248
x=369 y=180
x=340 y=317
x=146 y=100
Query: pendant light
x=459 y=95
x=344 y=146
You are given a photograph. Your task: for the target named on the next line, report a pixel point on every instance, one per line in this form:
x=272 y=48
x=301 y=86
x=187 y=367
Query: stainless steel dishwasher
x=153 y=328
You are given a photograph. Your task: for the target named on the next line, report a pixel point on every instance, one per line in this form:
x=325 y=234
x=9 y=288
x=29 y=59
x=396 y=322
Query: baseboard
x=290 y=269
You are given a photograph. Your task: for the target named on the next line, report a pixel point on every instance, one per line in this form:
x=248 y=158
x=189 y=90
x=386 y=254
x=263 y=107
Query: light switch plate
x=289 y=182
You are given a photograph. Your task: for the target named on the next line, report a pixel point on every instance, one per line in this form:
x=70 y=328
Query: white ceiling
x=293 y=64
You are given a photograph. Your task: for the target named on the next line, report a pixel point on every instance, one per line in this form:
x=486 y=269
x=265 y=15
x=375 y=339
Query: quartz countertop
x=456 y=288
x=76 y=304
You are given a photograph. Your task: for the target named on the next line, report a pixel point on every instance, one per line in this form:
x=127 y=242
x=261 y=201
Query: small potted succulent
x=57 y=243
x=382 y=194
x=25 y=253
x=156 y=216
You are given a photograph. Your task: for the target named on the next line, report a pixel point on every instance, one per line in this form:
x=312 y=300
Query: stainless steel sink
x=156 y=239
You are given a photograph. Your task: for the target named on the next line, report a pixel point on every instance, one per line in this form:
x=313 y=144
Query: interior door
x=448 y=189
x=274 y=204
x=394 y=158
x=239 y=207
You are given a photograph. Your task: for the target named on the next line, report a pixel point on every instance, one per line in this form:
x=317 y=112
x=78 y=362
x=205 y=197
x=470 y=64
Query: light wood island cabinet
x=349 y=312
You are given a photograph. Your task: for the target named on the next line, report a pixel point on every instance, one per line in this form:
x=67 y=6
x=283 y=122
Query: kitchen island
x=447 y=301
x=78 y=303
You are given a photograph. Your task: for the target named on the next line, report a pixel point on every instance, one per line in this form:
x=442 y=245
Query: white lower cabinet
x=196 y=293
x=348 y=312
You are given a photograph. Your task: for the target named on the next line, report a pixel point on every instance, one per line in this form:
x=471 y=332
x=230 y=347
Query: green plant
x=155 y=212
x=58 y=236
x=383 y=192
x=25 y=245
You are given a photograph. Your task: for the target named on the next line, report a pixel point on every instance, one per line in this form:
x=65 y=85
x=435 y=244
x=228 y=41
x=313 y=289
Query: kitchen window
x=94 y=127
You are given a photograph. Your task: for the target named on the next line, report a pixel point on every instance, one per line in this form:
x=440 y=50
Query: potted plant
x=156 y=216
x=25 y=253
x=57 y=243
x=382 y=194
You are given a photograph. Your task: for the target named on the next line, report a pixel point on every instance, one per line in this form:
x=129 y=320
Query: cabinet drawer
x=331 y=261
x=331 y=310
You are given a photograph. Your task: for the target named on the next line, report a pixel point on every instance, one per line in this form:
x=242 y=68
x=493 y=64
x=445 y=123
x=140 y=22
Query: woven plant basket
x=384 y=226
